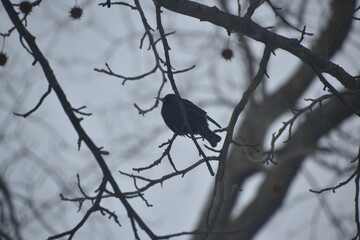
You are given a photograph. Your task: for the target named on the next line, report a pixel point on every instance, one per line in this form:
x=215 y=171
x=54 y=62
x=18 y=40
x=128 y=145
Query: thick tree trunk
x=258 y=118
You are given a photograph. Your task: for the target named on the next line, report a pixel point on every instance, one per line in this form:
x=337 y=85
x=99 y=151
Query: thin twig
x=152 y=182
x=165 y=153
x=334 y=91
x=343 y=183
x=25 y=115
x=94 y=208
x=276 y=11
x=269 y=155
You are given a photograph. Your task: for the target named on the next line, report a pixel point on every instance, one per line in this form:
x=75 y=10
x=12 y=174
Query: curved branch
x=152 y=182
x=53 y=82
x=290 y=158
x=25 y=115
x=251 y=29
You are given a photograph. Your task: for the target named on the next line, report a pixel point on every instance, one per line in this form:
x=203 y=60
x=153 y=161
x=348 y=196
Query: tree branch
x=173 y=84
x=251 y=29
x=25 y=115
x=53 y=82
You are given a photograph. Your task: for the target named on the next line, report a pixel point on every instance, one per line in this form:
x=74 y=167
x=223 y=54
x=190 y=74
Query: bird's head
x=167 y=98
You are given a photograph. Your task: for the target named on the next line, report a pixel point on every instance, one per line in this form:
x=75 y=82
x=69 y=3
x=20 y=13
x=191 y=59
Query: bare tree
x=306 y=128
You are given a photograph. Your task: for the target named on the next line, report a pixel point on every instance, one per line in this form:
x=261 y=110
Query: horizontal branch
x=337 y=186
x=252 y=30
x=152 y=182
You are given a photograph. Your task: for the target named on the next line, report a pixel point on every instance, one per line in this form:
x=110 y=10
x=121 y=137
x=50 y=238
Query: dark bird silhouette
x=196 y=117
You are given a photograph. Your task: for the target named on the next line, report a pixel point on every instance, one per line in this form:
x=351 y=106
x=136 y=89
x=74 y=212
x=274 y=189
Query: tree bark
x=258 y=118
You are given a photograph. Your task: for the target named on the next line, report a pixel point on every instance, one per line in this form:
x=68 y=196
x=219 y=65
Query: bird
x=196 y=117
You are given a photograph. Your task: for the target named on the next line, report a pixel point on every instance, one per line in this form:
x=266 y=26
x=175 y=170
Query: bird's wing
x=192 y=107
x=213 y=121
x=200 y=111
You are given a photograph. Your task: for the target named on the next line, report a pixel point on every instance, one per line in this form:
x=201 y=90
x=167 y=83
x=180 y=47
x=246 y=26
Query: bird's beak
x=157 y=98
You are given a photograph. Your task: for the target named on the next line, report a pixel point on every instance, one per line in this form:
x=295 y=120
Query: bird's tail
x=211 y=137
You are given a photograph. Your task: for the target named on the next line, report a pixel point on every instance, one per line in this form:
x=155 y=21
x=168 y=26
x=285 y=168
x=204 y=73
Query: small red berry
x=25 y=7
x=76 y=12
x=227 y=54
x=277 y=188
x=3 y=59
